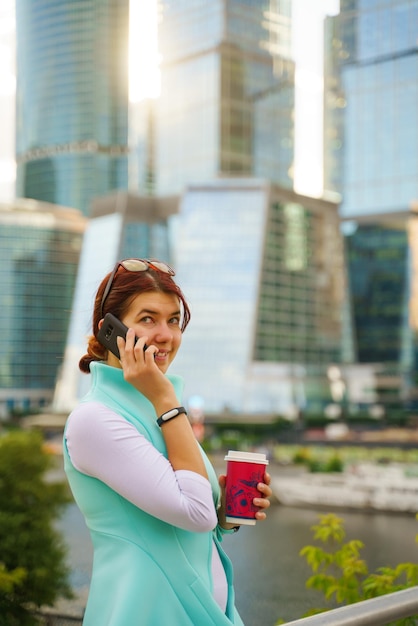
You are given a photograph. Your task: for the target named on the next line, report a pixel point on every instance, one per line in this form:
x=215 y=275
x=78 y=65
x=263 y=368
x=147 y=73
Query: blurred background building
x=227 y=98
x=71 y=100
x=372 y=142
x=39 y=251
x=265 y=280
x=272 y=125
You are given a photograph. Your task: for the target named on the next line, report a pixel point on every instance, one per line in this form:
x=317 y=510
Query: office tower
x=227 y=94
x=375 y=53
x=39 y=250
x=72 y=99
x=374 y=56
x=264 y=277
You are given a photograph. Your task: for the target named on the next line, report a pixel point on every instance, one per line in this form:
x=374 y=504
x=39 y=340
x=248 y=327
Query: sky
x=308 y=137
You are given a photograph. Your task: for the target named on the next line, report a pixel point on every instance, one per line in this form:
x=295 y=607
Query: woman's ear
x=100 y=324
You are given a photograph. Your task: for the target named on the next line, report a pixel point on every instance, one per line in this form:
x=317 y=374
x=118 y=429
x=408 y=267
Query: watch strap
x=169 y=415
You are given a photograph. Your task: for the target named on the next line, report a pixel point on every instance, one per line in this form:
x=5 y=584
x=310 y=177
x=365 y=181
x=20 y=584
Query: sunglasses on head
x=135 y=265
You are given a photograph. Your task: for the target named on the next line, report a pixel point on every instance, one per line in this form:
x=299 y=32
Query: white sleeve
x=104 y=445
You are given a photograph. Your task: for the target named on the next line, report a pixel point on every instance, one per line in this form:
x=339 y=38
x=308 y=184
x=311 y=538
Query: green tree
x=33 y=571
x=342 y=576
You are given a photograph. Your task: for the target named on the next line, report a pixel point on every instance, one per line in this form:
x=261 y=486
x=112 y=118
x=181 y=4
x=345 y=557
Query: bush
x=32 y=555
x=334 y=464
x=342 y=576
x=318 y=462
x=302 y=456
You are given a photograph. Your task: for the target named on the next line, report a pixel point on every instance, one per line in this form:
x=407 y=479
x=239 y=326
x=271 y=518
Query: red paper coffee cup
x=244 y=470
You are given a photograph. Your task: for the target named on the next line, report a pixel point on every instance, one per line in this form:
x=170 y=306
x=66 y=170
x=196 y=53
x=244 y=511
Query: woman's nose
x=163 y=333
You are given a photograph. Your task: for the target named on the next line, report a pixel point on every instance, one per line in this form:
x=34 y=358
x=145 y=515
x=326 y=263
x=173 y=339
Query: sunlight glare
x=144 y=72
x=307 y=39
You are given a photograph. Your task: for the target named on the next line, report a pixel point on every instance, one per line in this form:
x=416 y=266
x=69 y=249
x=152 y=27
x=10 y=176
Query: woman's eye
x=175 y=320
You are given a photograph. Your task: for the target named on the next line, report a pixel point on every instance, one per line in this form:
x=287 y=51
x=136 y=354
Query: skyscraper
x=373 y=90
x=39 y=249
x=227 y=93
x=375 y=51
x=262 y=268
x=72 y=99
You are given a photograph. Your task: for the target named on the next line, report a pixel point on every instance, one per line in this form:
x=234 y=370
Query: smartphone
x=111 y=329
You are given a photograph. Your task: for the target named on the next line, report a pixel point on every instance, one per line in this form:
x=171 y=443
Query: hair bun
x=95 y=352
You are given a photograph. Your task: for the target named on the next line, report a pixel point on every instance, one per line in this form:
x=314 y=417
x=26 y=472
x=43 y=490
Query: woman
x=148 y=493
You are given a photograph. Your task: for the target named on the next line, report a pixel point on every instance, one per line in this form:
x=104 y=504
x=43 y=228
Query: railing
x=375 y=612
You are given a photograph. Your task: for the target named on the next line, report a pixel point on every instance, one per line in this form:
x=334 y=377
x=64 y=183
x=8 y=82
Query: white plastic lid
x=246 y=457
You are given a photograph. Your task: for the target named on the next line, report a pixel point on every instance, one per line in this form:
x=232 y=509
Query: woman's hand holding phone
x=137 y=362
x=141 y=371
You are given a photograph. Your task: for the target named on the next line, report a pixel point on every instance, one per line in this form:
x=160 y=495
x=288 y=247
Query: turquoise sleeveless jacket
x=146 y=572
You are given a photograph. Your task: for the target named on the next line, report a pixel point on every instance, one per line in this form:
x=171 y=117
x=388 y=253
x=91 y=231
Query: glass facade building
x=372 y=65
x=265 y=281
x=372 y=91
x=72 y=99
x=298 y=318
x=380 y=79
x=376 y=46
x=378 y=268
x=227 y=94
x=39 y=251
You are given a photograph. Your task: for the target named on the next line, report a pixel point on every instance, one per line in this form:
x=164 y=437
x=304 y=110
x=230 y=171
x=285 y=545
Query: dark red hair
x=125 y=287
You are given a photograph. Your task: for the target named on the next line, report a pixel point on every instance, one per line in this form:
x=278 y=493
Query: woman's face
x=156 y=316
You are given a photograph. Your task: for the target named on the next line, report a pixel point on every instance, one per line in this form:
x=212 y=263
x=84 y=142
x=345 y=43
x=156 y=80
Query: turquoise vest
x=145 y=572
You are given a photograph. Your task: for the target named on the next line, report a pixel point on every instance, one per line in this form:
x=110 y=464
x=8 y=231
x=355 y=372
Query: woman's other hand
x=262 y=502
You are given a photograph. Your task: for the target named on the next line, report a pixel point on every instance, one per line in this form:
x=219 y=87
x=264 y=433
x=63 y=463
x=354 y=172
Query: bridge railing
x=375 y=612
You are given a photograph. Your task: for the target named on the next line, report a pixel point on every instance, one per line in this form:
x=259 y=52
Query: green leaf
x=316 y=557
x=321 y=582
x=330 y=528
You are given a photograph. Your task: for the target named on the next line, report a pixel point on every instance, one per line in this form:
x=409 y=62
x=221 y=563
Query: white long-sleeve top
x=103 y=445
